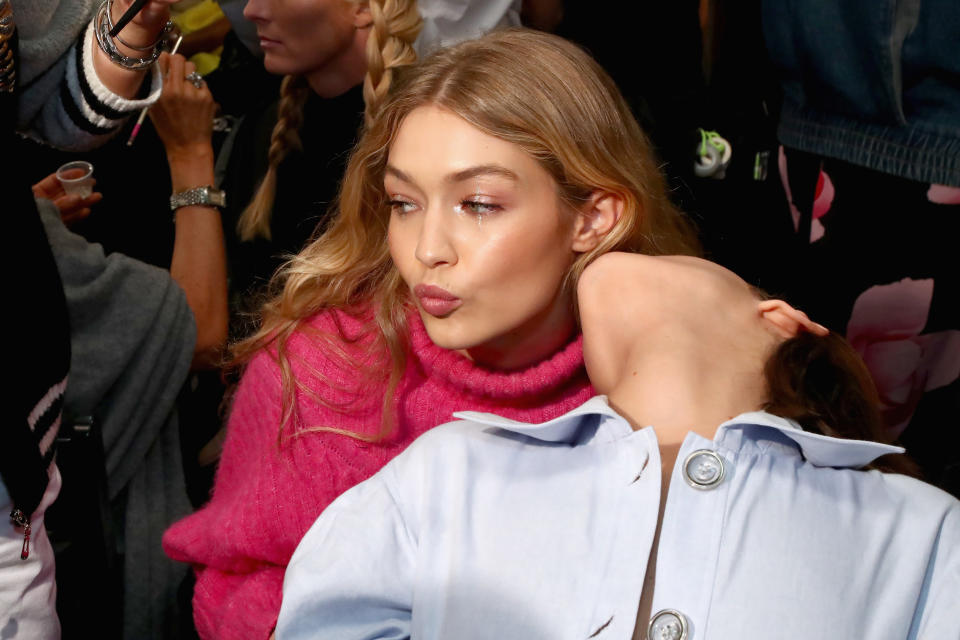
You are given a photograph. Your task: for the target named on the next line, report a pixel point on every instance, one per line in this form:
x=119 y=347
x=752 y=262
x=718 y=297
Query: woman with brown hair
x=489 y=179
x=682 y=505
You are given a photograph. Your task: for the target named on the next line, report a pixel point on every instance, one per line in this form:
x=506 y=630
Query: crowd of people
x=417 y=336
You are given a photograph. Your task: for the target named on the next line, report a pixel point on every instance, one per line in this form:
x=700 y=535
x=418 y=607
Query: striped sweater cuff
x=91 y=105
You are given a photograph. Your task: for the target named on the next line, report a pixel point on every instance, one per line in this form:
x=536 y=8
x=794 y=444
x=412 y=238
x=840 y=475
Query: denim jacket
x=872 y=82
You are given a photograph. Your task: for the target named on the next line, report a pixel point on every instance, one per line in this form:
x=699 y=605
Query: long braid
x=396 y=24
x=255 y=220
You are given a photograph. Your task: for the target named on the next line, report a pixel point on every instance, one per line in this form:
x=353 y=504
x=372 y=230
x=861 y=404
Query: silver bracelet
x=102 y=31
x=167 y=27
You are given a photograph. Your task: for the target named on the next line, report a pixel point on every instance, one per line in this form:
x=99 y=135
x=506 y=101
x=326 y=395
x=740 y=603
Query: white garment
x=28 y=593
x=489 y=528
x=447 y=22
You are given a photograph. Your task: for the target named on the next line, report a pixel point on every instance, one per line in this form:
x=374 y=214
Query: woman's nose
x=434 y=245
x=255 y=11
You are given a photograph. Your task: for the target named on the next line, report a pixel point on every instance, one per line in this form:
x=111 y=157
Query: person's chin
x=445 y=333
x=277 y=64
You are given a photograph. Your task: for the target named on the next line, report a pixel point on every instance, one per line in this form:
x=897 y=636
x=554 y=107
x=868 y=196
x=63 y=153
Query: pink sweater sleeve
x=267 y=494
x=241 y=541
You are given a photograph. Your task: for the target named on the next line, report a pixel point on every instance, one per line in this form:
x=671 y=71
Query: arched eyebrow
x=483 y=170
x=460 y=176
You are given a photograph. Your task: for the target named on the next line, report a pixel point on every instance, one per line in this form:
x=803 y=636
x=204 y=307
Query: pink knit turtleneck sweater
x=267 y=495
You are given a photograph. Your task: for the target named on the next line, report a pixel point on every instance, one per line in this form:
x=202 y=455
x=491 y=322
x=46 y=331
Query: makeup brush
x=143 y=113
x=128 y=16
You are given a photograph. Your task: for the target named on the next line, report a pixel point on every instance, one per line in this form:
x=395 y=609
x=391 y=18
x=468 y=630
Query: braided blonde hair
x=396 y=24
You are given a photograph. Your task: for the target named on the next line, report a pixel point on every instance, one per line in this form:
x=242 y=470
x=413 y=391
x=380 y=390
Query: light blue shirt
x=490 y=528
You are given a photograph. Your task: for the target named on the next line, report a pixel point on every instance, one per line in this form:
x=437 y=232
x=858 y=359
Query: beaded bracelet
x=102 y=30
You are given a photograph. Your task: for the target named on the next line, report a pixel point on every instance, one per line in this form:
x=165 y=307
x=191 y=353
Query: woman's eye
x=401 y=207
x=478 y=208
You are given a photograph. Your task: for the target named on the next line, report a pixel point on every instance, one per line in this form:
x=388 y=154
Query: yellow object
x=207 y=61
x=203 y=14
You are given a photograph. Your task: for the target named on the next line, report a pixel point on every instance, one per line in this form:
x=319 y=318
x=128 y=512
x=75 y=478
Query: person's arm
x=142 y=31
x=937 y=614
x=183 y=118
x=82 y=99
x=239 y=542
x=352 y=574
x=265 y=497
x=346 y=579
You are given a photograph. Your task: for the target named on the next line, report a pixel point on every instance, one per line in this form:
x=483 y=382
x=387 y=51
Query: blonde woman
x=490 y=178
x=337 y=59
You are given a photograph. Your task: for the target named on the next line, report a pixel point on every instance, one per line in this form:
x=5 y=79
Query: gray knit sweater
x=132 y=336
x=62 y=102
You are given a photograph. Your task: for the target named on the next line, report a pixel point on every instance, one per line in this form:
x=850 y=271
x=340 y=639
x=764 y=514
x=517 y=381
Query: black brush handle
x=128 y=16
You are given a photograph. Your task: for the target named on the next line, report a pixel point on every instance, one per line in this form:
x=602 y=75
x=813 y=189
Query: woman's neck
x=343 y=72
x=535 y=340
x=683 y=388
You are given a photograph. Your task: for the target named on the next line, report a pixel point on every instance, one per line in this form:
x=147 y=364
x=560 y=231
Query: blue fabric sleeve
x=352 y=574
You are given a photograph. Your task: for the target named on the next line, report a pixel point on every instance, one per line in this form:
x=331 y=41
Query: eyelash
x=397 y=206
x=472 y=207
x=477 y=208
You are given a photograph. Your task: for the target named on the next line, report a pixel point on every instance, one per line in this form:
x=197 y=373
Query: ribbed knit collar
x=456 y=371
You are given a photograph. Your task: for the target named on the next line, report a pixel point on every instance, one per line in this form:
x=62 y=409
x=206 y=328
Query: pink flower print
x=942 y=194
x=822 y=201
x=885 y=328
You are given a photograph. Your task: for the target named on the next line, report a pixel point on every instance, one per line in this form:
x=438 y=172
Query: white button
x=703 y=469
x=668 y=624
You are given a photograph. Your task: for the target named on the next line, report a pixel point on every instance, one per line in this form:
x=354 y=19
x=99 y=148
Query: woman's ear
x=361 y=15
x=787 y=321
x=598 y=215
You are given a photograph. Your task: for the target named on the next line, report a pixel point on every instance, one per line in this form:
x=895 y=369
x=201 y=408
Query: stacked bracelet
x=102 y=27
x=117 y=37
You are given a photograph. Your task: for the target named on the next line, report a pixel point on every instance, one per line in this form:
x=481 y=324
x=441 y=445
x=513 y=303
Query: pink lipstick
x=436 y=301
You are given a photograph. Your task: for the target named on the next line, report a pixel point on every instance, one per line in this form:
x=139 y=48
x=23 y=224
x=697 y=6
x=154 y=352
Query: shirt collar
x=819 y=450
x=561 y=429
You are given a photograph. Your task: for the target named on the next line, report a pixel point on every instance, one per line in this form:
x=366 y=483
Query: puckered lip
x=435 y=300
x=433 y=291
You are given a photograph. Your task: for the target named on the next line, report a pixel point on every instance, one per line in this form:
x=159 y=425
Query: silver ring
x=195 y=79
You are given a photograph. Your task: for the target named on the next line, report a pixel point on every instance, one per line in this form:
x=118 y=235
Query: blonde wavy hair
x=395 y=26
x=530 y=88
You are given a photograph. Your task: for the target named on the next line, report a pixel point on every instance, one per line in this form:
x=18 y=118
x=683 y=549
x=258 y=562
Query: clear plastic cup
x=76 y=178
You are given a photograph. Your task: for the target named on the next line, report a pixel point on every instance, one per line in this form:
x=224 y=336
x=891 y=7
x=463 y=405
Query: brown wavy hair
x=822 y=383
x=532 y=89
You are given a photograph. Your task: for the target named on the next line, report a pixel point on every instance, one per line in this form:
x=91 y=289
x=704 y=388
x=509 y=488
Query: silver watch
x=205 y=196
